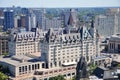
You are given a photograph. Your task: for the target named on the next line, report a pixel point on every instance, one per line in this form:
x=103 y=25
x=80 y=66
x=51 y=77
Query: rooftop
x=19 y=60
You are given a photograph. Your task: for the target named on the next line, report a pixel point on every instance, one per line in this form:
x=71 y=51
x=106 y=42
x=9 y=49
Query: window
x=72 y=60
x=51 y=65
x=32 y=67
x=55 y=63
x=38 y=66
x=73 y=73
x=20 y=69
x=69 y=74
x=59 y=63
x=76 y=60
x=67 y=60
x=29 y=67
x=25 y=68
x=35 y=66
x=43 y=65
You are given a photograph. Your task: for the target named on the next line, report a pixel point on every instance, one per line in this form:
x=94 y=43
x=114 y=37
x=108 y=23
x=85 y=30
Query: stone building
x=4 y=43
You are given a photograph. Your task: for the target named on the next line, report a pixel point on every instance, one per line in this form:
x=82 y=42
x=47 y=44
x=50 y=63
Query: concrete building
x=17 y=21
x=106 y=73
x=29 y=68
x=108 y=24
x=32 y=21
x=114 y=44
x=45 y=23
x=71 y=18
x=21 y=21
x=21 y=67
x=3 y=43
x=102 y=61
x=48 y=23
x=52 y=23
x=1 y=22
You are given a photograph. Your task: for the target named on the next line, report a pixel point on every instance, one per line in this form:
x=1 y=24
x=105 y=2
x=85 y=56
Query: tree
x=118 y=65
x=5 y=54
x=73 y=78
x=59 y=77
x=92 y=67
x=3 y=76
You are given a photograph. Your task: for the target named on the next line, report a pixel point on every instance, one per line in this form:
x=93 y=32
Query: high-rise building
x=23 y=21
x=1 y=22
x=109 y=23
x=32 y=21
x=1 y=12
x=46 y=23
x=39 y=16
x=71 y=18
x=20 y=21
x=52 y=23
x=17 y=21
x=8 y=20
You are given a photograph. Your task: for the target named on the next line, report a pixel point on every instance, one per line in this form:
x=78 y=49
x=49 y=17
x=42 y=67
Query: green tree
x=5 y=54
x=59 y=77
x=92 y=67
x=73 y=78
x=118 y=65
x=3 y=76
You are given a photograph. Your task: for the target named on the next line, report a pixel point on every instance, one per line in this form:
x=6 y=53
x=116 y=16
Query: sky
x=60 y=3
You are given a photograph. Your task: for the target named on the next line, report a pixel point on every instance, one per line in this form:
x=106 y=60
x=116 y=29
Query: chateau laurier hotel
x=59 y=51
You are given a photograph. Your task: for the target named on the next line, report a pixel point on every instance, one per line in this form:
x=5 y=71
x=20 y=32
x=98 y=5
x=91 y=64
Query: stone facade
x=22 y=43
x=66 y=45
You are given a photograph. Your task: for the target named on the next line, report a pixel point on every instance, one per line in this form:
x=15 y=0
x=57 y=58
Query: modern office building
x=38 y=15
x=32 y=21
x=23 y=21
x=8 y=20
x=52 y=23
x=1 y=12
x=45 y=23
x=17 y=22
x=1 y=22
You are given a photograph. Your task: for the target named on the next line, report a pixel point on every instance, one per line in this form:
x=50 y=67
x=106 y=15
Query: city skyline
x=60 y=3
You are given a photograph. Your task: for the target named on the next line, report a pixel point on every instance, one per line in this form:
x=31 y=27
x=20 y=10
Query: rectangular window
x=25 y=68
x=38 y=66
x=20 y=69
x=35 y=66
x=29 y=67
x=32 y=67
